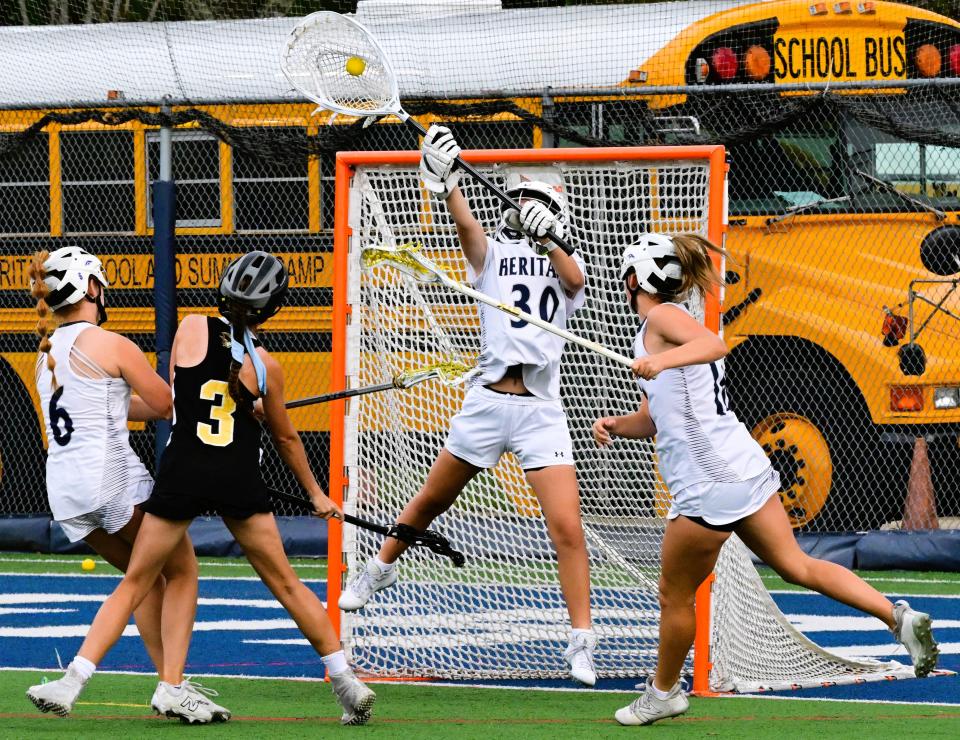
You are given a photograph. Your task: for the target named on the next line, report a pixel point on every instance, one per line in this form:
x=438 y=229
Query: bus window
x=270 y=193
x=25 y=188
x=98 y=189
x=196 y=170
x=793 y=167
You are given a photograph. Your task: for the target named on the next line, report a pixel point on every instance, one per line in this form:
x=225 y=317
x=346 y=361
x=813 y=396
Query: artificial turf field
x=116 y=705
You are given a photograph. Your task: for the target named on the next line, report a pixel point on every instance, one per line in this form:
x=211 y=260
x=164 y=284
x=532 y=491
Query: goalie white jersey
x=515 y=275
x=699 y=438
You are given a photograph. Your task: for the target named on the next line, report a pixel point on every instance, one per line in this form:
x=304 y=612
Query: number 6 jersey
x=517 y=276
x=89 y=458
x=699 y=438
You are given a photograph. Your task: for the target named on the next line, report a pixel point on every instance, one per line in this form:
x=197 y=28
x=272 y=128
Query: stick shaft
x=350 y=392
x=308 y=505
x=484 y=180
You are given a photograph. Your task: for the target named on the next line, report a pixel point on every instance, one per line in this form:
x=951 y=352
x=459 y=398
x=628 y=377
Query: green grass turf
x=296 y=709
x=887 y=581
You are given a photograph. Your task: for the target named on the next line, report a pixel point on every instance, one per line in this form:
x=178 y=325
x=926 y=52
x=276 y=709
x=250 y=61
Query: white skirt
x=723 y=503
x=112 y=516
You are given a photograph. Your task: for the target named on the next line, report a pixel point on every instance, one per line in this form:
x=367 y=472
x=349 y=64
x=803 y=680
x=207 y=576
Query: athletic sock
x=577 y=632
x=662 y=695
x=335 y=662
x=83 y=667
x=384 y=567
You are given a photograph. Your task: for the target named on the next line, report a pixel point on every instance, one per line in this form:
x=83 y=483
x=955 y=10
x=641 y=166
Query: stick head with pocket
x=335 y=62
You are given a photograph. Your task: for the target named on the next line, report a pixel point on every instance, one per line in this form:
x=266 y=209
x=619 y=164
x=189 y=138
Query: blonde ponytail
x=696 y=267
x=40 y=291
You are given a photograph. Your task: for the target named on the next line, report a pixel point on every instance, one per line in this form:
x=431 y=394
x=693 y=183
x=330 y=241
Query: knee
x=670 y=597
x=181 y=568
x=567 y=536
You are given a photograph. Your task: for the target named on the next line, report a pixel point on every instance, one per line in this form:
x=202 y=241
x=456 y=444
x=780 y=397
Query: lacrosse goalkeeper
x=514 y=402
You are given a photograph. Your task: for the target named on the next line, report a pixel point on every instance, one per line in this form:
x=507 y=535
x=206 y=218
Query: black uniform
x=212 y=462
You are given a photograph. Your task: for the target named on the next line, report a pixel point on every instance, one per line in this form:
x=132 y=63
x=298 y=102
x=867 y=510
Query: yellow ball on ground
x=88 y=564
x=355 y=66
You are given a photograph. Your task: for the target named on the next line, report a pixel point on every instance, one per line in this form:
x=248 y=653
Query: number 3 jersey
x=699 y=438
x=214 y=448
x=89 y=458
x=517 y=276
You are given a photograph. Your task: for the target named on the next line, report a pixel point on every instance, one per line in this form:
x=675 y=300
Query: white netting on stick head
x=337 y=64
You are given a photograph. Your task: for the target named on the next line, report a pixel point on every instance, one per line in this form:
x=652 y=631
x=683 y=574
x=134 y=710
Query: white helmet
x=68 y=272
x=550 y=195
x=655 y=262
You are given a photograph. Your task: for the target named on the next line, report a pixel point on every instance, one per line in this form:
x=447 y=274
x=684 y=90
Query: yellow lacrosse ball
x=88 y=564
x=355 y=66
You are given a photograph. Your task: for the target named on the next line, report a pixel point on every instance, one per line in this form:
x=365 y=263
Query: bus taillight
x=928 y=60
x=756 y=63
x=724 y=63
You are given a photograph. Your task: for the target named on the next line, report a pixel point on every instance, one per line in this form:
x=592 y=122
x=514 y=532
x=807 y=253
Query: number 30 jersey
x=214 y=447
x=699 y=438
x=89 y=458
x=517 y=276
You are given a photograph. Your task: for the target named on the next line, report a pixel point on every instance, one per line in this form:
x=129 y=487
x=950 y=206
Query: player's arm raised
x=638 y=425
x=537 y=221
x=437 y=170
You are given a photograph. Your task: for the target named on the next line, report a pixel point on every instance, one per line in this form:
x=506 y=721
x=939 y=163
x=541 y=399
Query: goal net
x=503 y=615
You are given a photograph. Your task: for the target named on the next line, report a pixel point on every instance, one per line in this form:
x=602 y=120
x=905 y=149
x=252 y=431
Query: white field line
x=887 y=650
x=865 y=575
x=120 y=575
x=80 y=630
x=7 y=612
x=818 y=623
x=66 y=598
x=788 y=592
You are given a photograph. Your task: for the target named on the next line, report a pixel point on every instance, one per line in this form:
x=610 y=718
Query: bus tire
x=812 y=422
x=23 y=488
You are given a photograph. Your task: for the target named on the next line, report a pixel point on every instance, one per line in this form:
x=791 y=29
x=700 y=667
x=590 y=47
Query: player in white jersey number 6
x=95 y=481
x=514 y=404
x=719 y=479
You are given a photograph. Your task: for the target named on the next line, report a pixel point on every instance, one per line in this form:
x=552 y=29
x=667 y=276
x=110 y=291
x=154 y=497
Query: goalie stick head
x=407 y=258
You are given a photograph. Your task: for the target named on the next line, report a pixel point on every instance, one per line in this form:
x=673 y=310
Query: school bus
x=839 y=233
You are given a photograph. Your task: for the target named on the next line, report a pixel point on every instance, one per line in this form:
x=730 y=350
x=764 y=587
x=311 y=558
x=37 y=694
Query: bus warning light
x=724 y=63
x=866 y=8
x=818 y=9
x=928 y=60
x=842 y=8
x=702 y=70
x=955 y=59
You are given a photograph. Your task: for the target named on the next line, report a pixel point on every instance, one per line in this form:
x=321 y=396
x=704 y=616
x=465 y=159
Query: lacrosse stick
x=428 y=538
x=335 y=62
x=408 y=259
x=448 y=373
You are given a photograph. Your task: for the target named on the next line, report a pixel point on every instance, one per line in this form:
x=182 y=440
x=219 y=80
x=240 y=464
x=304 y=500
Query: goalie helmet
x=67 y=273
x=654 y=261
x=257 y=280
x=550 y=195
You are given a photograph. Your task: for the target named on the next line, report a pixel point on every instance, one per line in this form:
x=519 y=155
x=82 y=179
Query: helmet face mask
x=256 y=280
x=521 y=190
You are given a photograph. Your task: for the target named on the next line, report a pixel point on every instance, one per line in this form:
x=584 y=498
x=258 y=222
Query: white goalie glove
x=537 y=221
x=437 y=161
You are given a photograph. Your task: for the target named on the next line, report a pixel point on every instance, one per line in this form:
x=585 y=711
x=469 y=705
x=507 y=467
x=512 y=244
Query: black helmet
x=257 y=280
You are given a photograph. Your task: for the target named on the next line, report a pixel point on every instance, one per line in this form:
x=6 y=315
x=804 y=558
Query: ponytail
x=239 y=317
x=40 y=291
x=696 y=267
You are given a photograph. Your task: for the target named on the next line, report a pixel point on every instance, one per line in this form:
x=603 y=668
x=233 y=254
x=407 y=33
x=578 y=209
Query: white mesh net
x=503 y=614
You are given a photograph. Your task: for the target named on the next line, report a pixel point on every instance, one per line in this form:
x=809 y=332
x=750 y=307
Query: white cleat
x=190 y=703
x=647 y=709
x=914 y=631
x=579 y=656
x=365 y=585
x=354 y=696
x=57 y=696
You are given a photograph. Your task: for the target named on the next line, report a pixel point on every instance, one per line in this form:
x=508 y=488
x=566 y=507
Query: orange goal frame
x=346 y=164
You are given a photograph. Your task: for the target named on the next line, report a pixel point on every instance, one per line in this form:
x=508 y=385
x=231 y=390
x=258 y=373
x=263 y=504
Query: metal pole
x=164 y=265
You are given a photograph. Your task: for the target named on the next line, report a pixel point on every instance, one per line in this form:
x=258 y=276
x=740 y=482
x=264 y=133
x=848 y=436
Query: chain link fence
x=841 y=307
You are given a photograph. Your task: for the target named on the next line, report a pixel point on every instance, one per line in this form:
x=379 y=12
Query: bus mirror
x=913 y=360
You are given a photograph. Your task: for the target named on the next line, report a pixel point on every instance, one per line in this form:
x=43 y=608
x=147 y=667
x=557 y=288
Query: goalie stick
x=429 y=538
x=408 y=259
x=449 y=373
x=318 y=60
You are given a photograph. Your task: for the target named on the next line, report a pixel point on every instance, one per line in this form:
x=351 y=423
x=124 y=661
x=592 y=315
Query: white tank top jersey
x=89 y=458
x=699 y=438
x=514 y=274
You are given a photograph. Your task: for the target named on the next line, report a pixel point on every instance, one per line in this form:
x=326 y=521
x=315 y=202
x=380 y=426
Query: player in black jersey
x=212 y=464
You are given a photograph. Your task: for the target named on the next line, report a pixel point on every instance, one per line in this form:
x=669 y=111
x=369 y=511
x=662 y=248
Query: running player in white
x=719 y=479
x=95 y=481
x=514 y=404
